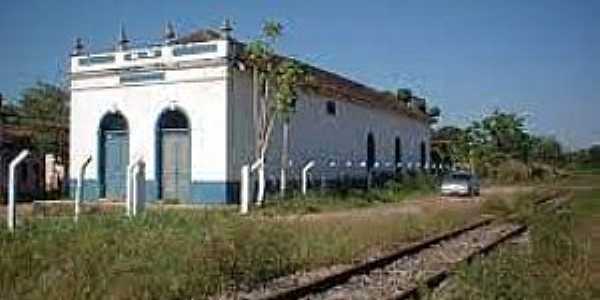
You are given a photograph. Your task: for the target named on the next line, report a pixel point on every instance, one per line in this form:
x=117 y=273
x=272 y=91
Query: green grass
x=184 y=254
x=520 y=206
x=560 y=261
x=316 y=202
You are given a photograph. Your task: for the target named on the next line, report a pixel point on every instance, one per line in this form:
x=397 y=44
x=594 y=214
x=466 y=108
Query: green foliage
x=284 y=75
x=500 y=147
x=393 y=191
x=42 y=107
x=288 y=76
x=46 y=102
x=272 y=30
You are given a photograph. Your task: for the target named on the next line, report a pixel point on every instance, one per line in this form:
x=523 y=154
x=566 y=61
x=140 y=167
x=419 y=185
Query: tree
x=594 y=154
x=45 y=101
x=276 y=81
x=45 y=108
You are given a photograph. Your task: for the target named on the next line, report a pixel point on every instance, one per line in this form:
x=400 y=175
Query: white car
x=460 y=184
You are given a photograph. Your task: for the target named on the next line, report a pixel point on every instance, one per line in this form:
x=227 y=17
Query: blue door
x=175 y=164
x=116 y=159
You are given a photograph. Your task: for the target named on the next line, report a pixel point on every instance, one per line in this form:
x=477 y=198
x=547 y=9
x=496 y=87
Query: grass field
x=175 y=254
x=562 y=260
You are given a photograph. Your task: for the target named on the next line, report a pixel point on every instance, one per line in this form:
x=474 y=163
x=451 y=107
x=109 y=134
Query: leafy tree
x=45 y=101
x=594 y=154
x=44 y=107
x=276 y=81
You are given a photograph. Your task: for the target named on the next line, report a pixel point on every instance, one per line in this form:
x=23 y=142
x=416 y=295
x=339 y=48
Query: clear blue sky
x=469 y=57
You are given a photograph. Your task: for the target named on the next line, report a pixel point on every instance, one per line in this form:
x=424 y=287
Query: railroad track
x=401 y=274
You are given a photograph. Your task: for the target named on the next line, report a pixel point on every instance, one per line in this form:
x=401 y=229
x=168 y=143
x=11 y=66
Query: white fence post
x=80 y=185
x=244 y=189
x=11 y=215
x=305 y=170
x=130 y=188
x=139 y=187
x=134 y=191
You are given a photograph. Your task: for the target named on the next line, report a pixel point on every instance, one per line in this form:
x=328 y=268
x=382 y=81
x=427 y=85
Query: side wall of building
x=337 y=143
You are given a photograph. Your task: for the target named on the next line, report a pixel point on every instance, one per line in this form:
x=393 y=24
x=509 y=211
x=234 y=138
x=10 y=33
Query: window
x=143 y=54
x=141 y=77
x=194 y=49
x=331 y=108
x=95 y=60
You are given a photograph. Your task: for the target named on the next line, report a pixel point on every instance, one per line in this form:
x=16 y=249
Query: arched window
x=397 y=152
x=423 y=154
x=370 y=151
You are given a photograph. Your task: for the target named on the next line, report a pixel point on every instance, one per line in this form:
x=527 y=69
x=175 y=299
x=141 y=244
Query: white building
x=185 y=108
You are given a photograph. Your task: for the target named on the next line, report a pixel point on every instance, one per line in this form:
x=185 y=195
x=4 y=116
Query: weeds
x=171 y=254
x=392 y=191
x=556 y=263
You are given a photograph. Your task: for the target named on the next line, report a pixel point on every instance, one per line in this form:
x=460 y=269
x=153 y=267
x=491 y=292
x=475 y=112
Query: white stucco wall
x=200 y=93
x=341 y=138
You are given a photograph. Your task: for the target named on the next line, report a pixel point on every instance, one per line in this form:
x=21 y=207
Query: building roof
x=200 y=36
x=332 y=84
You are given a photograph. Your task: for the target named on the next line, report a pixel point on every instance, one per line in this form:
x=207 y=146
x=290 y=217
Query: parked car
x=461 y=184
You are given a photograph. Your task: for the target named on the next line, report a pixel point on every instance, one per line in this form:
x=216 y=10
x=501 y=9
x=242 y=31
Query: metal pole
x=244 y=189
x=11 y=215
x=284 y=157
x=305 y=170
x=130 y=187
x=80 y=185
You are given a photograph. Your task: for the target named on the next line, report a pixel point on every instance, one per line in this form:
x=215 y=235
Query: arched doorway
x=370 y=151
x=173 y=156
x=423 y=154
x=113 y=156
x=397 y=152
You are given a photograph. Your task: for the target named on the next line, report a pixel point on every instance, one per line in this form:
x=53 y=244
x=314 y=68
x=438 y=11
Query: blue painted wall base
x=202 y=192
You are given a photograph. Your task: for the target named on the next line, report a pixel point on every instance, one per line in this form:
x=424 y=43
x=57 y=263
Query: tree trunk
x=260 y=195
x=284 y=157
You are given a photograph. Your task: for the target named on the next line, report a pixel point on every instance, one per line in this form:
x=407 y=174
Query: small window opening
x=331 y=108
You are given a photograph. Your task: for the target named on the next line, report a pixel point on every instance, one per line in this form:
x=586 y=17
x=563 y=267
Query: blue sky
x=540 y=58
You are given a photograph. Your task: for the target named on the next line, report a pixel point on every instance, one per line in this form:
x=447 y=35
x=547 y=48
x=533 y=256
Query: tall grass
x=392 y=191
x=187 y=254
x=554 y=264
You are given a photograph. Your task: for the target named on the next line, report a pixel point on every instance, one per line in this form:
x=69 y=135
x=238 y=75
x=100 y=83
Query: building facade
x=185 y=108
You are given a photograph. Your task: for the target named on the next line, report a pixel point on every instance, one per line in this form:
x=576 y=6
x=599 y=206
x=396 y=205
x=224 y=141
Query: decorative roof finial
x=226 y=28
x=123 y=41
x=170 y=34
x=79 y=48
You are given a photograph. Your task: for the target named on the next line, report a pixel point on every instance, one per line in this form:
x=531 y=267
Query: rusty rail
x=364 y=268
x=433 y=281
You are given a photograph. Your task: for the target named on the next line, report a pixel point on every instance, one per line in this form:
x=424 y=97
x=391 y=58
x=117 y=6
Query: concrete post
x=130 y=188
x=139 y=187
x=244 y=189
x=305 y=170
x=80 y=185
x=136 y=190
x=12 y=185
